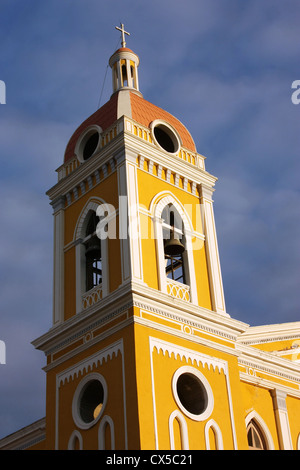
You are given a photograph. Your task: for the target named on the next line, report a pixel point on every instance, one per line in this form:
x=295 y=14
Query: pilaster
x=282 y=419
x=214 y=267
x=58 y=267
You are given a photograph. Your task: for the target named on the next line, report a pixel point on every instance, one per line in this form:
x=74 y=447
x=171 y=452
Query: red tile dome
x=141 y=111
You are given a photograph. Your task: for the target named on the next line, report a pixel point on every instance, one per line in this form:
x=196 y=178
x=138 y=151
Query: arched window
x=256 y=440
x=91 y=247
x=172 y=226
x=92 y=254
x=178 y=423
x=174 y=244
x=213 y=436
x=75 y=441
x=106 y=434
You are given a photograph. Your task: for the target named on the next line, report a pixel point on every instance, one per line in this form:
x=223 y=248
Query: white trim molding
x=211 y=424
x=209 y=402
x=78 y=395
x=58 y=260
x=75 y=435
x=84 y=137
x=92 y=205
x=176 y=415
x=106 y=421
x=129 y=221
x=214 y=267
x=86 y=369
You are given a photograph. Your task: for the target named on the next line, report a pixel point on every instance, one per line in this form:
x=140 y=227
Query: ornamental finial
x=123 y=33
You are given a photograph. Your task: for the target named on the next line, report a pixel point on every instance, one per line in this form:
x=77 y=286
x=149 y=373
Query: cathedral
x=142 y=354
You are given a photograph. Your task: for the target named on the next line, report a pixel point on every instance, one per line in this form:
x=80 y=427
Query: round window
x=89 y=400
x=192 y=393
x=90 y=146
x=165 y=136
x=88 y=143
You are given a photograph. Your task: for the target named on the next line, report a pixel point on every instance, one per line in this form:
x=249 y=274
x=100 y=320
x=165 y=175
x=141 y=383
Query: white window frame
x=210 y=397
x=77 y=397
x=156 y=211
x=253 y=415
x=79 y=236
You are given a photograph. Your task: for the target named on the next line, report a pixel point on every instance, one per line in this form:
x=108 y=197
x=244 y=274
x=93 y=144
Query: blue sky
x=225 y=69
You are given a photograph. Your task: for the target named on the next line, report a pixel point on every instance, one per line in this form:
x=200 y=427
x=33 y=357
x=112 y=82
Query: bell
x=174 y=247
x=93 y=251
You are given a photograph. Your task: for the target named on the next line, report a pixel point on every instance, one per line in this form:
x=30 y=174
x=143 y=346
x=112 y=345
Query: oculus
x=88 y=143
x=192 y=393
x=89 y=400
x=165 y=136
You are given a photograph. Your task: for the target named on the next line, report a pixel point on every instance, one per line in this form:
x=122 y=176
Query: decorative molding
x=25 y=437
x=86 y=366
x=195 y=357
x=282 y=419
x=87 y=329
x=188 y=354
x=210 y=397
x=176 y=415
x=211 y=424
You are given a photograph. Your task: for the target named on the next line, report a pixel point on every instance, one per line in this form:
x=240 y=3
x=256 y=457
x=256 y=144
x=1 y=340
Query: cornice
x=271 y=333
x=141 y=296
x=171 y=162
x=268 y=362
x=127 y=141
x=86 y=169
x=60 y=335
x=25 y=437
x=188 y=311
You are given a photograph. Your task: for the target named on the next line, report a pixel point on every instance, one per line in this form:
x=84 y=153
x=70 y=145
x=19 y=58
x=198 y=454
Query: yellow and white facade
x=146 y=355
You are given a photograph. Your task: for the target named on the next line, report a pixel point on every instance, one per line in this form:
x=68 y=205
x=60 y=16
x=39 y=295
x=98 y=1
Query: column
x=211 y=244
x=58 y=268
x=129 y=229
x=282 y=419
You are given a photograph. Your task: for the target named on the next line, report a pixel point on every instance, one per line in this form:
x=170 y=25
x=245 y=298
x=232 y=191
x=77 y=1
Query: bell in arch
x=173 y=246
x=93 y=250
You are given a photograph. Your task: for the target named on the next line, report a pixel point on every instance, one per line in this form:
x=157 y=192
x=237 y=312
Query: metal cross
x=123 y=34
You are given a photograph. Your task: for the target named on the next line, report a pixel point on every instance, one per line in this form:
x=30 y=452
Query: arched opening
x=255 y=437
x=90 y=146
x=106 y=434
x=174 y=244
x=178 y=432
x=175 y=277
x=93 y=254
x=124 y=75
x=75 y=441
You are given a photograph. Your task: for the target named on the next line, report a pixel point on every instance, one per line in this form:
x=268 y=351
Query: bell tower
x=140 y=333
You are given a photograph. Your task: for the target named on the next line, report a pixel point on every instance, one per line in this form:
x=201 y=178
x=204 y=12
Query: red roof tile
x=103 y=117
x=145 y=112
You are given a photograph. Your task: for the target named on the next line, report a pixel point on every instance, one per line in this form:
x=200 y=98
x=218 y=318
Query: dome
x=127 y=100
x=136 y=108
